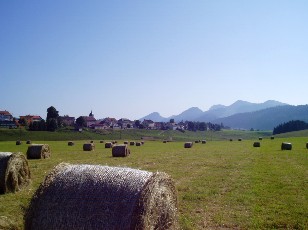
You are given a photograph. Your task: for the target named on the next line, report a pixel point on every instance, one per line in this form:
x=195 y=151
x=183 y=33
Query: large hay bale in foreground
x=256 y=144
x=70 y=143
x=38 y=151
x=120 y=151
x=286 y=146
x=188 y=144
x=108 y=145
x=102 y=197
x=14 y=172
x=88 y=147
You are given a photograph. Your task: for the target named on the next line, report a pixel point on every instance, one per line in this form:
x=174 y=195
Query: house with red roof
x=31 y=118
x=6 y=116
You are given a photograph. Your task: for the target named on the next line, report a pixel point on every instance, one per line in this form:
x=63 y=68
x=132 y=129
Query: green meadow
x=221 y=184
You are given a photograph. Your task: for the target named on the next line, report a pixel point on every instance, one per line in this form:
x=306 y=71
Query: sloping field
x=220 y=184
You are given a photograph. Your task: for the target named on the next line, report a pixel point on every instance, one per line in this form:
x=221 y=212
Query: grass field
x=220 y=184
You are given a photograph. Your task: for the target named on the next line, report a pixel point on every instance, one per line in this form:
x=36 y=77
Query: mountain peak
x=216 y=111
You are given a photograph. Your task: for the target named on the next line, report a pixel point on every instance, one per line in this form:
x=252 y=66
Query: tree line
x=290 y=126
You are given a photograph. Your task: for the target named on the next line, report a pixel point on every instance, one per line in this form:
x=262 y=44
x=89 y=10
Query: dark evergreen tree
x=290 y=126
x=81 y=122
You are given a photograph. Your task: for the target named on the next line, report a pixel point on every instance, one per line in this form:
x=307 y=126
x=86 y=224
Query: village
x=8 y=121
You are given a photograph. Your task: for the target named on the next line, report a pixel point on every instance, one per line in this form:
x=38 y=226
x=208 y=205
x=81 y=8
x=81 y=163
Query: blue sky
x=126 y=59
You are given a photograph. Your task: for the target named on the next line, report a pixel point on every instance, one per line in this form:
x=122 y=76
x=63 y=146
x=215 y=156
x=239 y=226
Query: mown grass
x=220 y=184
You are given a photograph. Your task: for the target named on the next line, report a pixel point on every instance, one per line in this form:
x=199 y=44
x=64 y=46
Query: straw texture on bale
x=28 y=142
x=286 y=146
x=108 y=145
x=120 y=151
x=88 y=147
x=103 y=197
x=18 y=142
x=256 y=144
x=38 y=151
x=188 y=144
x=70 y=143
x=14 y=172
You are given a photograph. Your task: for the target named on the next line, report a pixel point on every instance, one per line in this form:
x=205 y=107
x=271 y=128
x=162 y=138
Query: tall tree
x=52 y=118
x=52 y=113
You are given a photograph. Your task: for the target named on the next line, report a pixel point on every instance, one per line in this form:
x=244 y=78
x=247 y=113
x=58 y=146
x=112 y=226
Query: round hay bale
x=138 y=144
x=203 y=142
x=126 y=142
x=14 y=172
x=88 y=147
x=272 y=137
x=188 y=144
x=28 y=142
x=231 y=139
x=108 y=145
x=142 y=142
x=91 y=141
x=38 y=151
x=103 y=197
x=307 y=145
x=260 y=138
x=101 y=142
x=70 y=143
x=120 y=151
x=18 y=142
x=286 y=146
x=240 y=139
x=114 y=142
x=164 y=141
x=256 y=144
x=132 y=143
x=196 y=141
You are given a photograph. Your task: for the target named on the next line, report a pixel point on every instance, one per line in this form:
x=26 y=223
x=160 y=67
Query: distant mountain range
x=241 y=114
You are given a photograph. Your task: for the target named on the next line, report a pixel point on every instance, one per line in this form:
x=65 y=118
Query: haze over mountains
x=241 y=114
